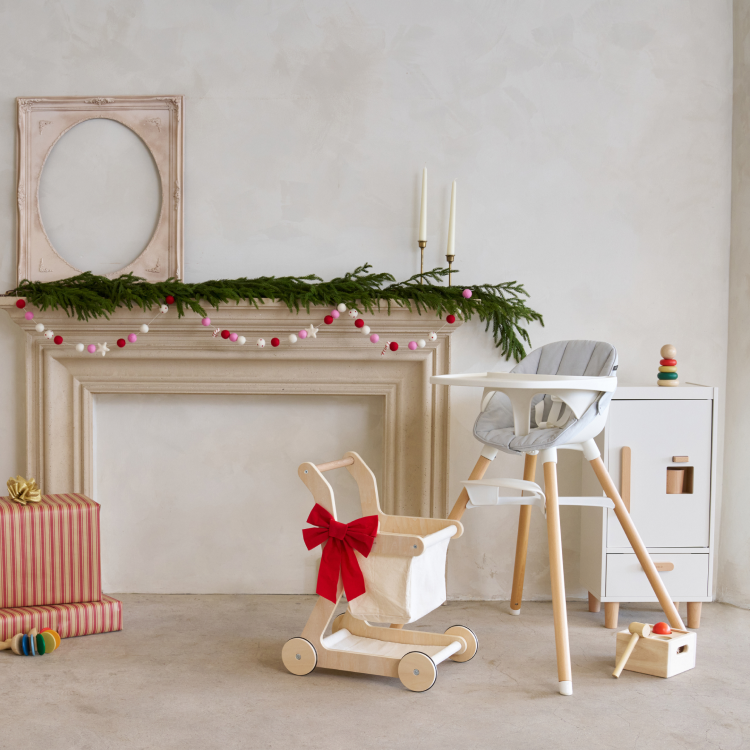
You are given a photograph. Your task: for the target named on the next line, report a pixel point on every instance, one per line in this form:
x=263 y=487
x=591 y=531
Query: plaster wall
x=591 y=142
x=734 y=558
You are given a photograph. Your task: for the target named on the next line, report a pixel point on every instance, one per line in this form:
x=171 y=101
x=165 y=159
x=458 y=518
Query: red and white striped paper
x=49 y=551
x=68 y=620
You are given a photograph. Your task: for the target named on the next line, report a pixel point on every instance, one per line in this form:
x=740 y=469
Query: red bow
x=338 y=554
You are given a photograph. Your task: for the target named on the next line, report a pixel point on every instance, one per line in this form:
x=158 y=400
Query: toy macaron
x=33 y=643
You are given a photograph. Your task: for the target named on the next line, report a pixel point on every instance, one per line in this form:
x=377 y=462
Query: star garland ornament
x=102 y=349
x=312 y=331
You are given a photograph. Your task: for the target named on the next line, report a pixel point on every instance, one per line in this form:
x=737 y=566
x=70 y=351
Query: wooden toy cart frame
x=355 y=645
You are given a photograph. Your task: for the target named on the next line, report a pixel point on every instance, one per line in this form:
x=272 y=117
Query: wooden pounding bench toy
x=403 y=576
x=657 y=650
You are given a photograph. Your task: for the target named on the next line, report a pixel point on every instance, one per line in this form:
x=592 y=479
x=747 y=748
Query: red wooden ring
x=668 y=362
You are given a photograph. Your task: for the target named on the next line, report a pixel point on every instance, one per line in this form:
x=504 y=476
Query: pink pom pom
x=29 y=315
x=233 y=336
x=466 y=293
x=374 y=338
x=206 y=321
x=91 y=348
x=302 y=334
x=412 y=345
x=335 y=313
x=132 y=338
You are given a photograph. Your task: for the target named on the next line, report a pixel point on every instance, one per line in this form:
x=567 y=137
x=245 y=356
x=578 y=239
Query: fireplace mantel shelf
x=179 y=356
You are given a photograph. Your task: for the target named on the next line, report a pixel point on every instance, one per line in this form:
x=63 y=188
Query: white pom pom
x=260 y=343
x=241 y=339
x=341 y=308
x=38 y=327
x=292 y=338
x=421 y=343
x=365 y=330
x=164 y=308
x=353 y=313
x=432 y=336
x=144 y=328
x=49 y=334
x=79 y=347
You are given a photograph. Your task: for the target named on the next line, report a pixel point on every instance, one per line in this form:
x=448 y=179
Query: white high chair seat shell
x=495 y=425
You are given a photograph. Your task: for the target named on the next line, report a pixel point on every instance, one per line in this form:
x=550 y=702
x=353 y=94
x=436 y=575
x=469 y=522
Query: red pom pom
x=359 y=323
x=121 y=343
x=661 y=628
x=58 y=340
x=20 y=304
x=328 y=319
x=275 y=342
x=170 y=299
x=225 y=334
x=393 y=346
x=451 y=319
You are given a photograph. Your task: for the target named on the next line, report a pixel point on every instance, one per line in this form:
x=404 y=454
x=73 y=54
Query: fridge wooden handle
x=625 y=476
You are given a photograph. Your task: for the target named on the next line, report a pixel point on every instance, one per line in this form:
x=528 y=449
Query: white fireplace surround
x=180 y=356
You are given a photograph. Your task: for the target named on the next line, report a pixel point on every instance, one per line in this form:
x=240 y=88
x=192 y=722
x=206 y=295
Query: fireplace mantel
x=180 y=356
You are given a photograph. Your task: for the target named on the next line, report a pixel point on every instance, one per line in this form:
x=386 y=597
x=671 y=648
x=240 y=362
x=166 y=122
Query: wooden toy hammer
x=639 y=630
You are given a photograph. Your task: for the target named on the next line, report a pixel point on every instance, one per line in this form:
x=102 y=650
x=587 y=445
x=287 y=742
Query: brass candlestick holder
x=450 y=259
x=422 y=246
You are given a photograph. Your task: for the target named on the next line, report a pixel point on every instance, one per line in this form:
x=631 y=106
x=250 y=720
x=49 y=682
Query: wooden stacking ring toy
x=34 y=643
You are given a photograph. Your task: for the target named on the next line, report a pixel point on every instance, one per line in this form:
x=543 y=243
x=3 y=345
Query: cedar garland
x=500 y=306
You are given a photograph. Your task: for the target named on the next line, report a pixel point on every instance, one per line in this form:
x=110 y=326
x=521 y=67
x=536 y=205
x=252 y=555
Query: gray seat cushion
x=494 y=426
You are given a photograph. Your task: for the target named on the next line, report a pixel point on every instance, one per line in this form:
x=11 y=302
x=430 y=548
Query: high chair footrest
x=487 y=492
x=591 y=502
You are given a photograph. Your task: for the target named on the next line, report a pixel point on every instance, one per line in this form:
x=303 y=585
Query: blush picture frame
x=158 y=121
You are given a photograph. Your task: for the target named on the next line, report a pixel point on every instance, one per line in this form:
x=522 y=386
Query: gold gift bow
x=24 y=490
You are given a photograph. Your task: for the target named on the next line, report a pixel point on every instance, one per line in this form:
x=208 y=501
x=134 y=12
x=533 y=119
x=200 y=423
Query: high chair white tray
x=408 y=554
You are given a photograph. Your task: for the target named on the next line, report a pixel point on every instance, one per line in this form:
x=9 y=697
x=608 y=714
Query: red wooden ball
x=328 y=319
x=170 y=299
x=20 y=304
x=661 y=628
x=58 y=340
x=225 y=334
x=359 y=323
x=451 y=319
x=275 y=342
x=121 y=343
x=393 y=346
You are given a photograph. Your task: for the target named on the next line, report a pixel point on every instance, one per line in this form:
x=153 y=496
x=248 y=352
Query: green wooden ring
x=41 y=646
x=667 y=376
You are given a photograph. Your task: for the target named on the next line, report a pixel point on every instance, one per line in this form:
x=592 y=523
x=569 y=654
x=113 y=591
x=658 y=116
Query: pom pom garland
x=132 y=338
x=292 y=338
x=241 y=340
x=302 y=334
x=225 y=334
x=353 y=313
x=341 y=308
x=164 y=309
x=49 y=334
x=374 y=338
x=58 y=340
x=29 y=315
x=144 y=328
x=335 y=314
x=366 y=330
x=233 y=337
x=206 y=321
x=20 y=304
x=91 y=348
x=393 y=346
x=275 y=341
x=412 y=345
x=451 y=319
x=359 y=323
x=260 y=343
x=328 y=320
x=170 y=299
x=466 y=294
x=80 y=347
x=121 y=343
x=39 y=327
x=421 y=343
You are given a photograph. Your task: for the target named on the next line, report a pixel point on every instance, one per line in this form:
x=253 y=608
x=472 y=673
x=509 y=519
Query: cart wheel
x=337 y=623
x=299 y=656
x=417 y=671
x=472 y=644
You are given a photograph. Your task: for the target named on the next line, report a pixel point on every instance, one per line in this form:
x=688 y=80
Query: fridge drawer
x=687 y=581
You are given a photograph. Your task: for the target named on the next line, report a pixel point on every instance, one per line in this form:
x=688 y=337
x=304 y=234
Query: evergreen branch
x=499 y=306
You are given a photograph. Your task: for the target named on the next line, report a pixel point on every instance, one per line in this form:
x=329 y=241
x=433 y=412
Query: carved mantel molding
x=180 y=356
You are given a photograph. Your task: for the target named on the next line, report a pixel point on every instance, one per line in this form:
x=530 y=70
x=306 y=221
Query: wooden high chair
x=557 y=398
x=407 y=557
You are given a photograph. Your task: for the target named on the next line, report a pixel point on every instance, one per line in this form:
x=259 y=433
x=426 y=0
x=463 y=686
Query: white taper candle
x=423 y=211
x=452 y=223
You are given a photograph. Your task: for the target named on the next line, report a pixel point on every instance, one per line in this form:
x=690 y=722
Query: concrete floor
x=205 y=672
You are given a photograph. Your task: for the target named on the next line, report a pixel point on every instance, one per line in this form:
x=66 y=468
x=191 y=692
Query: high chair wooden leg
x=559 y=608
x=522 y=541
x=637 y=544
x=480 y=468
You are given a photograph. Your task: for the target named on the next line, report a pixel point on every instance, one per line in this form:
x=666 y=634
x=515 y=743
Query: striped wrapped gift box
x=49 y=551
x=68 y=620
